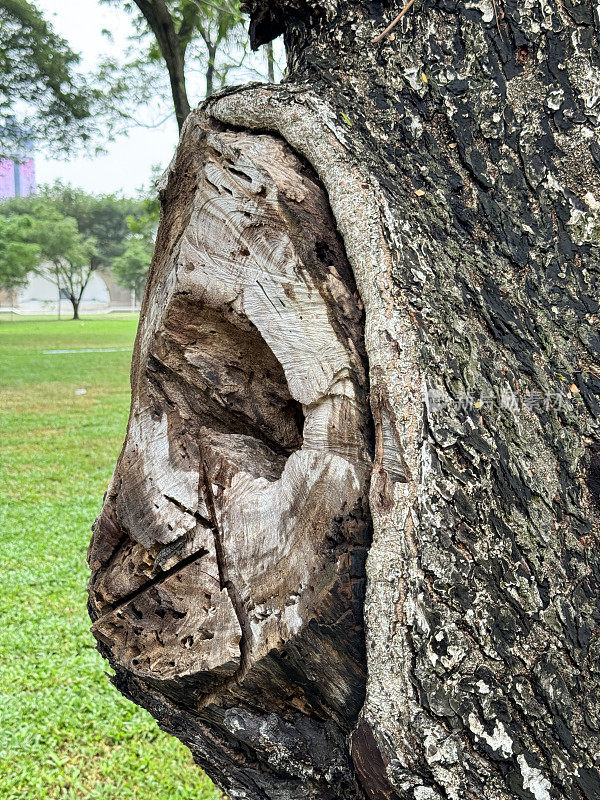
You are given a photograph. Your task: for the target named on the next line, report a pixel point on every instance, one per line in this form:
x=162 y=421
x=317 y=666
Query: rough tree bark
x=371 y=323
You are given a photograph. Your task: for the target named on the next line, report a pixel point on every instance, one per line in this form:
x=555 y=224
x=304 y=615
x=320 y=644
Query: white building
x=40 y=296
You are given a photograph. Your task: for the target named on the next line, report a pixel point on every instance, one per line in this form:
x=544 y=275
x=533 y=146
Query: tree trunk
x=371 y=323
x=75 y=304
x=270 y=62
x=210 y=69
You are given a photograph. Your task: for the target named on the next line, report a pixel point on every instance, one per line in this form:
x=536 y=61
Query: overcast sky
x=128 y=163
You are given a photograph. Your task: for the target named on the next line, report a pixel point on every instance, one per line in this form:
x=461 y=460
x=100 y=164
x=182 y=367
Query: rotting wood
x=229 y=557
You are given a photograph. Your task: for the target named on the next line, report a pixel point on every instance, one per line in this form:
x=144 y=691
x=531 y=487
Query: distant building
x=17 y=174
x=40 y=296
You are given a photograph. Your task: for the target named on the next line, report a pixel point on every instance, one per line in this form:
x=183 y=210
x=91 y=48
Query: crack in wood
x=152 y=582
x=277 y=311
x=196 y=514
x=225 y=581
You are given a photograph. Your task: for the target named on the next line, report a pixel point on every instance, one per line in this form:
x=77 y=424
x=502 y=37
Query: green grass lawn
x=65 y=732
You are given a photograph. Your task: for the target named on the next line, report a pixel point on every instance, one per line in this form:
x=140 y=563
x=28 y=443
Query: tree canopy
x=43 y=99
x=101 y=217
x=131 y=267
x=18 y=255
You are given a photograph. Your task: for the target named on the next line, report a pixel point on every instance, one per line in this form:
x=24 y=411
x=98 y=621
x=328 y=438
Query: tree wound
x=228 y=560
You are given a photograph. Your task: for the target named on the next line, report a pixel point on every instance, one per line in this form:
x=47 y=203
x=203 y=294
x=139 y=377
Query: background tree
x=66 y=257
x=104 y=218
x=131 y=267
x=42 y=97
x=79 y=233
x=101 y=217
x=175 y=26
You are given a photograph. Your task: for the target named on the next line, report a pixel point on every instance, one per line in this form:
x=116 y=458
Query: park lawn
x=65 y=732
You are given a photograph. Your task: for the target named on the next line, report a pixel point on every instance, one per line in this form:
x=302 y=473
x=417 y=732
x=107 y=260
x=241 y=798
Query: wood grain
x=228 y=560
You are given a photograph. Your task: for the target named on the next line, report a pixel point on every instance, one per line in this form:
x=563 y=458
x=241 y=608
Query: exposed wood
x=229 y=557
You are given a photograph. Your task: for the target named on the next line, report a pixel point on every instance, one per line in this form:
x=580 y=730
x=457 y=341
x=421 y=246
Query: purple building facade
x=17 y=176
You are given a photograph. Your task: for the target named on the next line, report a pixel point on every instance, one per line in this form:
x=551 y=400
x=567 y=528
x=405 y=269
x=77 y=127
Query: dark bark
x=469 y=145
x=75 y=303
